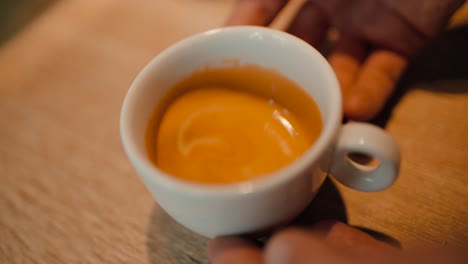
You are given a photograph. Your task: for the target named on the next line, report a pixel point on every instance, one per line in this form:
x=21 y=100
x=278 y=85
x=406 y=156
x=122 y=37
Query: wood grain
x=68 y=193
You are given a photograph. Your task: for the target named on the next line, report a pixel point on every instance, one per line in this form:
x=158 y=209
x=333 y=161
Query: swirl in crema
x=218 y=135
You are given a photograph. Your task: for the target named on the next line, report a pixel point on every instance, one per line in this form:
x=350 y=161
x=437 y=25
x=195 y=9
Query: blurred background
x=68 y=193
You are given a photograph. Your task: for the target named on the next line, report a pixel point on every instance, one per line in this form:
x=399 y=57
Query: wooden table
x=69 y=195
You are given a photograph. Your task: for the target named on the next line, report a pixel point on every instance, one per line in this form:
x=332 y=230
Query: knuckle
x=285 y=240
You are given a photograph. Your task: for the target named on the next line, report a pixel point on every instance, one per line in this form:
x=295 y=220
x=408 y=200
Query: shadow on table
x=329 y=205
x=169 y=242
x=444 y=59
x=380 y=236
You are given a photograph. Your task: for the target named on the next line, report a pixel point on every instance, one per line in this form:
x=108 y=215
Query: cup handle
x=372 y=141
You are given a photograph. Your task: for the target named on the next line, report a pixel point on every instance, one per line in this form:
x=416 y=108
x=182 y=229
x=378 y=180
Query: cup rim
x=152 y=174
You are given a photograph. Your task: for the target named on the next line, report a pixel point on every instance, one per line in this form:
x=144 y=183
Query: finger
x=310 y=24
x=390 y=32
x=376 y=22
x=255 y=12
x=298 y=247
x=346 y=60
x=374 y=84
x=227 y=250
x=431 y=19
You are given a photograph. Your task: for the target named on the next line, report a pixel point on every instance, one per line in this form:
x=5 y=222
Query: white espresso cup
x=263 y=202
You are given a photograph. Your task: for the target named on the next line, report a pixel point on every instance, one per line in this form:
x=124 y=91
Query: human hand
x=376 y=39
x=325 y=243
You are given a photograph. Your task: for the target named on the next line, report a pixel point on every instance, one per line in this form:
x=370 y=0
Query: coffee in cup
x=231 y=124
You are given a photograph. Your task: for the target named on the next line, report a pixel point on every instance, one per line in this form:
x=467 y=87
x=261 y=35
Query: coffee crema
x=231 y=124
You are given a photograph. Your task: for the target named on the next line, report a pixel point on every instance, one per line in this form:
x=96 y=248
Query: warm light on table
x=69 y=195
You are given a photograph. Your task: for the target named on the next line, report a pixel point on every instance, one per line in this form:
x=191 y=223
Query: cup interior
x=265 y=47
